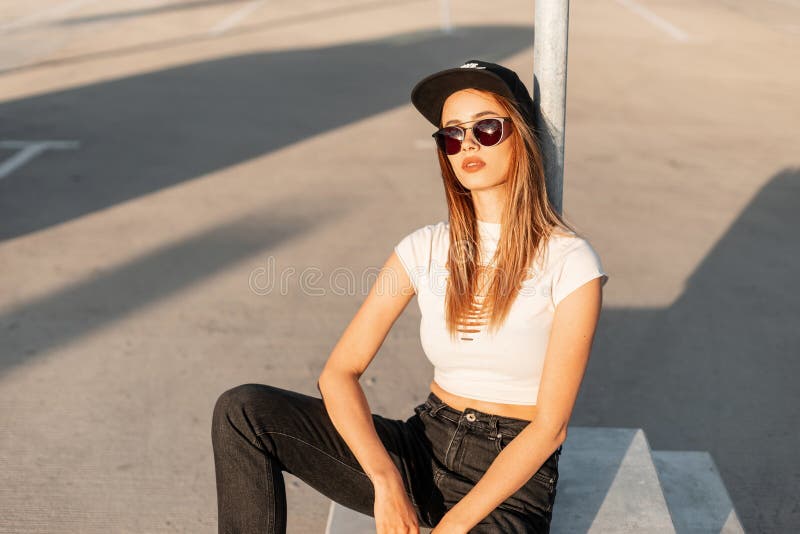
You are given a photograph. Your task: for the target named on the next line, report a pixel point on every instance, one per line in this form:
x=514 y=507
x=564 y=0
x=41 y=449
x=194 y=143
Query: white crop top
x=504 y=367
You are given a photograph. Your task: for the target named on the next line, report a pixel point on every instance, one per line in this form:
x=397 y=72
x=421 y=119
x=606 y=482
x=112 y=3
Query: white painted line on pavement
x=234 y=18
x=660 y=23
x=27 y=150
x=54 y=12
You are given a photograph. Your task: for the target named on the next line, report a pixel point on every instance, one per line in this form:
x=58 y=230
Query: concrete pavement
x=211 y=138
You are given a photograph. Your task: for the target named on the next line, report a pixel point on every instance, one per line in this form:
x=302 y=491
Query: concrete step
x=695 y=493
x=343 y=520
x=611 y=482
x=608 y=483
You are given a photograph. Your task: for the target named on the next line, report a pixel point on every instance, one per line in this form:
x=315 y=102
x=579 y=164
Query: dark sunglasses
x=488 y=132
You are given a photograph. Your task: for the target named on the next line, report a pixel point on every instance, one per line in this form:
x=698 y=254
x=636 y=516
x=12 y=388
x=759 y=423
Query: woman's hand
x=394 y=513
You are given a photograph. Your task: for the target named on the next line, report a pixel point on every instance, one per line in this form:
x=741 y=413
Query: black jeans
x=259 y=431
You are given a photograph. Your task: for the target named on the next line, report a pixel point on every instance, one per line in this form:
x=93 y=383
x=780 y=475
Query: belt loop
x=493 y=432
x=435 y=404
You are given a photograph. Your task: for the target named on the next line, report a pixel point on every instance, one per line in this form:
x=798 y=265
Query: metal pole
x=550 y=89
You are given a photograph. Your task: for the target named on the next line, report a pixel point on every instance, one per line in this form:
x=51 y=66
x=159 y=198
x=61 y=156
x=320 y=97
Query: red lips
x=472 y=164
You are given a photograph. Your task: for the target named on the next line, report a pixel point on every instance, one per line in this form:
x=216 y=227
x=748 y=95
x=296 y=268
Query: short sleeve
x=579 y=265
x=414 y=252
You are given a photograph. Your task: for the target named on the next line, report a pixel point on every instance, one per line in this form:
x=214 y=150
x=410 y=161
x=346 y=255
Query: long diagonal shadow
x=143 y=133
x=36 y=326
x=717 y=370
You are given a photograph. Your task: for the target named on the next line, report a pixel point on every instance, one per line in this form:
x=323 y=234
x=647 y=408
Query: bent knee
x=233 y=401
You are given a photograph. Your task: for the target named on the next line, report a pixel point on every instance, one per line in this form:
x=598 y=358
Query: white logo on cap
x=471 y=66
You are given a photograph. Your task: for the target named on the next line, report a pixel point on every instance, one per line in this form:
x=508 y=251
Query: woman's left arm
x=571 y=336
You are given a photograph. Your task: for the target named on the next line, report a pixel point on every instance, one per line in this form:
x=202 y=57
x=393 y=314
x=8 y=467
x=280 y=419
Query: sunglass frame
x=440 y=134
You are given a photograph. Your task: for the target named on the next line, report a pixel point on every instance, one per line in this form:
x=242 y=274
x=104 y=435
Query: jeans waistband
x=492 y=424
x=476 y=417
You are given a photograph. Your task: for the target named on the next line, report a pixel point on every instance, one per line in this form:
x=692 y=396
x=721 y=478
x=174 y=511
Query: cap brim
x=429 y=94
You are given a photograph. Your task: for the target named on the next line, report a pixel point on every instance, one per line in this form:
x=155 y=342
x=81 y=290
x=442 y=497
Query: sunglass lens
x=449 y=140
x=488 y=131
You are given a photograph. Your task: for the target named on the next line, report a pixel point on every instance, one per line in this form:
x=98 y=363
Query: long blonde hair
x=528 y=220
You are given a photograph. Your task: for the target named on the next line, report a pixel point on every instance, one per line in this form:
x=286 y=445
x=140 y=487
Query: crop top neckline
x=489 y=228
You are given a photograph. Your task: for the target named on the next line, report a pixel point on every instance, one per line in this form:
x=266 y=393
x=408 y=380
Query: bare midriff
x=519 y=411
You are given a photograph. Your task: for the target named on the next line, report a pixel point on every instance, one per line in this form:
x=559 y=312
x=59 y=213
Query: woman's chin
x=475 y=182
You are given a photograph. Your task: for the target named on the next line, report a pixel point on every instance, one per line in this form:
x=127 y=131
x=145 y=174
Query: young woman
x=510 y=297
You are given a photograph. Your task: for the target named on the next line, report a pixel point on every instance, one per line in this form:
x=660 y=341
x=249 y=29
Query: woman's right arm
x=344 y=398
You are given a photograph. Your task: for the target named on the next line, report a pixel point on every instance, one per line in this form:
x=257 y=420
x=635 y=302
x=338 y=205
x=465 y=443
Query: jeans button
x=470 y=417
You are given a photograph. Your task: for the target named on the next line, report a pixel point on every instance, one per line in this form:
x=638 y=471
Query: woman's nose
x=469 y=140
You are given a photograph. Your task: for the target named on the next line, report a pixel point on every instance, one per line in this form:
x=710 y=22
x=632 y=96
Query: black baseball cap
x=429 y=94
